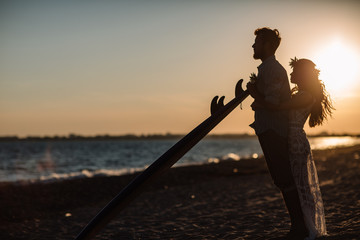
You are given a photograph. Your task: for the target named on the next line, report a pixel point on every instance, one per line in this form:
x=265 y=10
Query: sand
x=228 y=200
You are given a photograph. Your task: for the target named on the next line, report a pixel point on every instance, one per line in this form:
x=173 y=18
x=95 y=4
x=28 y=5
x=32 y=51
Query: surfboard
x=218 y=112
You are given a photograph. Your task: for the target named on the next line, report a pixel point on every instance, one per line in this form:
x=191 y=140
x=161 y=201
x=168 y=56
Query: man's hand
x=256 y=105
x=252 y=89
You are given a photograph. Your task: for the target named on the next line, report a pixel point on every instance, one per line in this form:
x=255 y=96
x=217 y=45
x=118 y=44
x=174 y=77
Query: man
x=271 y=127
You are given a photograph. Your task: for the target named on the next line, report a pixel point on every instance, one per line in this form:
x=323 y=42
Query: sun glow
x=339 y=65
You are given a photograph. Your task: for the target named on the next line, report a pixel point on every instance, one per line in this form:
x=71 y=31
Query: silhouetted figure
x=309 y=98
x=271 y=127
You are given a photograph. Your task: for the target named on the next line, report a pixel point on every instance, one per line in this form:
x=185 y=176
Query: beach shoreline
x=225 y=200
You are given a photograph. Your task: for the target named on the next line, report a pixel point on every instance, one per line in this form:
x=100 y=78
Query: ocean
x=56 y=160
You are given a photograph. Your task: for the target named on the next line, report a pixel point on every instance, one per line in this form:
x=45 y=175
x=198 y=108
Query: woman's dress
x=305 y=174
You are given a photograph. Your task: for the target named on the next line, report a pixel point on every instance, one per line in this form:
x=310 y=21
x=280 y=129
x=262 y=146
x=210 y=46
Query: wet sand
x=228 y=200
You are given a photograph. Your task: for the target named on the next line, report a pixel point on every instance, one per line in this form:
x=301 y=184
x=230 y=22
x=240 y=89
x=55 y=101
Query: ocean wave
x=53 y=177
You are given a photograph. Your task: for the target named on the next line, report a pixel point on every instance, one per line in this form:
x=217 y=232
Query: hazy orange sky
x=143 y=67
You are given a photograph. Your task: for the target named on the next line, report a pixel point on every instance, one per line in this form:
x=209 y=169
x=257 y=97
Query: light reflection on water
x=332 y=142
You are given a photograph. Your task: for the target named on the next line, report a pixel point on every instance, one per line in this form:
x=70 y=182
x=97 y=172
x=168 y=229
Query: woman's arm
x=297 y=101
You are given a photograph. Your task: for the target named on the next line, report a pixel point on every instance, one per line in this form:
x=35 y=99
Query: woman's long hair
x=322 y=107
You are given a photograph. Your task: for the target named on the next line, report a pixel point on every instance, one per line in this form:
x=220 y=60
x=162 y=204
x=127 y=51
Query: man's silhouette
x=271 y=127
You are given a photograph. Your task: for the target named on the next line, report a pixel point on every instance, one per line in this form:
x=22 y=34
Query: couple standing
x=280 y=115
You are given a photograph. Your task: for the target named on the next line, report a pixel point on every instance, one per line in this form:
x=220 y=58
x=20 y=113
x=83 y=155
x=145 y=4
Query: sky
x=153 y=67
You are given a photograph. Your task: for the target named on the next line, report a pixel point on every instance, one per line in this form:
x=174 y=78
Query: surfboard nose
x=238 y=88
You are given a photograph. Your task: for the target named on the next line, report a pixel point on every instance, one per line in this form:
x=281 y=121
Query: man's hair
x=270 y=36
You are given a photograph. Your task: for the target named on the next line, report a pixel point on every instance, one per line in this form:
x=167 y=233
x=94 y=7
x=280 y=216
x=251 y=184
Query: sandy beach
x=228 y=200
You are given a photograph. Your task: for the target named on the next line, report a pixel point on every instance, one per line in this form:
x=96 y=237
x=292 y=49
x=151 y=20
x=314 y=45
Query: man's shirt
x=272 y=82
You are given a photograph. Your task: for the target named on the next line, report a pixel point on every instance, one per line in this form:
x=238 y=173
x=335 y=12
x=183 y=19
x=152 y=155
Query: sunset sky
x=150 y=66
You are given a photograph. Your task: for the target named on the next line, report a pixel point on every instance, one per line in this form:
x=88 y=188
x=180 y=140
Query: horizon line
x=73 y=136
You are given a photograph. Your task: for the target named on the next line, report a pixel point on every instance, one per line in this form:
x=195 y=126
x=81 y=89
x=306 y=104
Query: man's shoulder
x=278 y=65
x=274 y=67
x=272 y=62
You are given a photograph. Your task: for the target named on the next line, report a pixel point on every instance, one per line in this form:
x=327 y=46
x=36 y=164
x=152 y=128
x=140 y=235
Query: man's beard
x=256 y=56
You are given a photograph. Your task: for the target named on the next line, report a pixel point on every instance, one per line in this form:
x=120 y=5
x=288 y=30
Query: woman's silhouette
x=309 y=98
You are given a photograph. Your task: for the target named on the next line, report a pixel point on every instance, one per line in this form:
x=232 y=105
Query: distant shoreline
x=168 y=136
x=75 y=137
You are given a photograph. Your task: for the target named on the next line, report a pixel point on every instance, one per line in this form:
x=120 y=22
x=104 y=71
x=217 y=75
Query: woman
x=309 y=98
